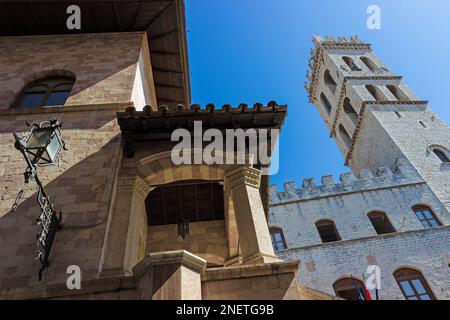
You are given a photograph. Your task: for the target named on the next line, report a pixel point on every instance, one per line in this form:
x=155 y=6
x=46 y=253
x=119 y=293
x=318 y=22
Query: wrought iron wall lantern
x=40 y=147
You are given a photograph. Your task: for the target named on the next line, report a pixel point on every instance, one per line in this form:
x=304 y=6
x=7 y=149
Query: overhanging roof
x=163 y=20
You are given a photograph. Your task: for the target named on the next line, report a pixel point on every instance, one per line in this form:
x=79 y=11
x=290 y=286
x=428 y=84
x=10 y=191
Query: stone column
x=254 y=237
x=170 y=275
x=128 y=223
x=234 y=257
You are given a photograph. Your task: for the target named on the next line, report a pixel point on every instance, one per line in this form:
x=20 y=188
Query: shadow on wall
x=80 y=188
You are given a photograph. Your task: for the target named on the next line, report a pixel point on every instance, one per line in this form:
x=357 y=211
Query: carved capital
x=242 y=176
x=133 y=184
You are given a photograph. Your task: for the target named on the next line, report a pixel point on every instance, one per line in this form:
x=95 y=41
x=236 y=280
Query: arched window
x=441 y=155
x=278 y=240
x=369 y=63
x=350 y=111
x=413 y=284
x=380 y=222
x=325 y=103
x=397 y=93
x=426 y=216
x=329 y=81
x=345 y=136
x=351 y=63
x=350 y=289
x=375 y=92
x=327 y=231
x=50 y=91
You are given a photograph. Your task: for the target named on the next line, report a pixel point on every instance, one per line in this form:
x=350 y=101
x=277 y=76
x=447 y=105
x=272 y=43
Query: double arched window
x=50 y=91
x=325 y=103
x=369 y=64
x=351 y=63
x=413 y=284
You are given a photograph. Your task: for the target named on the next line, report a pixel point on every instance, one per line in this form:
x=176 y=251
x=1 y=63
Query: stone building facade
x=398 y=151
x=125 y=205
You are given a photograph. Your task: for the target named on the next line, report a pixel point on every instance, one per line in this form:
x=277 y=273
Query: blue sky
x=257 y=50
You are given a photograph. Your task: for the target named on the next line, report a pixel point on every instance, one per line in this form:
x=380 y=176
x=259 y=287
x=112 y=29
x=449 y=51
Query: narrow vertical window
x=375 y=92
x=278 y=240
x=426 y=216
x=345 y=136
x=51 y=91
x=380 y=222
x=350 y=289
x=327 y=231
x=413 y=285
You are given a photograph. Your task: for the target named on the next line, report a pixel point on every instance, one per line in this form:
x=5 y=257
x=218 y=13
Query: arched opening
x=325 y=103
x=413 y=284
x=369 y=64
x=49 y=91
x=375 y=92
x=350 y=111
x=189 y=215
x=278 y=240
x=350 y=288
x=380 y=222
x=327 y=231
x=345 y=136
x=351 y=63
x=441 y=155
x=426 y=216
x=329 y=81
x=397 y=93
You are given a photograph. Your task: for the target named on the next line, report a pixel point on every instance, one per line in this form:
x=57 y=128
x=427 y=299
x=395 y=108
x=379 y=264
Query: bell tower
x=373 y=116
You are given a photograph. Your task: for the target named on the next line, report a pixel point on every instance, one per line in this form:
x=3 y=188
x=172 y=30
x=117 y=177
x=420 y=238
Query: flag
x=367 y=294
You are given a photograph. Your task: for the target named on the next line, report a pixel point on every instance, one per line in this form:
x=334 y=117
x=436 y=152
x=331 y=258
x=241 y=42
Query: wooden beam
x=136 y=16
x=158 y=15
x=117 y=16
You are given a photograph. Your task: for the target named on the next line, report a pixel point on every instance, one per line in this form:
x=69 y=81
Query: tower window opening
x=345 y=136
x=325 y=103
x=50 y=91
x=441 y=155
x=397 y=93
x=329 y=81
x=350 y=288
x=375 y=92
x=350 y=111
x=426 y=216
x=398 y=114
x=422 y=124
x=327 y=231
x=369 y=64
x=351 y=63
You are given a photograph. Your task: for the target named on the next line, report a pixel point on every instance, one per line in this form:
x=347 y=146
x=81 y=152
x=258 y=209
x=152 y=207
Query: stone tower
x=373 y=116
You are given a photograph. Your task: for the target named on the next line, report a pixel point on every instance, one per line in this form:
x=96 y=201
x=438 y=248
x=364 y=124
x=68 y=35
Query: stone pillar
x=254 y=237
x=127 y=225
x=231 y=229
x=170 y=275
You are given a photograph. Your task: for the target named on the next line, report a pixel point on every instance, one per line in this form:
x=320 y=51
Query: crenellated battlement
x=384 y=177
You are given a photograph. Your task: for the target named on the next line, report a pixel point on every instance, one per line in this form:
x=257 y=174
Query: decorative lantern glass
x=43 y=145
